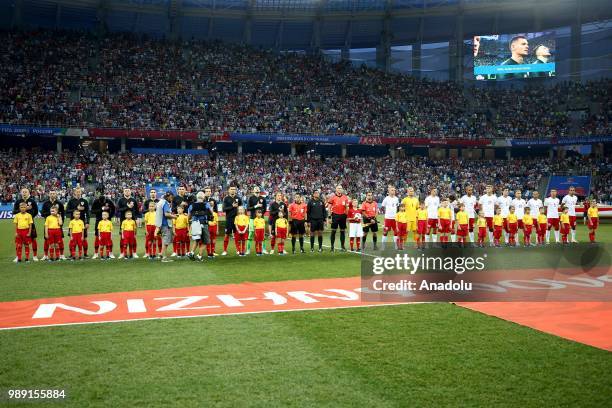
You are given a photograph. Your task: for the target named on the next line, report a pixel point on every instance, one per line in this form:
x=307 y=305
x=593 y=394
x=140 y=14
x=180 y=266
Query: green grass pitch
x=410 y=355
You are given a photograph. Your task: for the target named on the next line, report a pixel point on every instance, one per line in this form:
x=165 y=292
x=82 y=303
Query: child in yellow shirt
x=401 y=220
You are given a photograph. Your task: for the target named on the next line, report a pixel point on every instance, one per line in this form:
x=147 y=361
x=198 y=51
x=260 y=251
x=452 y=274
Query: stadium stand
x=45 y=171
x=122 y=81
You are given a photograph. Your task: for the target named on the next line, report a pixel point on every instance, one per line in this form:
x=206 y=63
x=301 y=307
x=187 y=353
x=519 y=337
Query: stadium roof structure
x=307 y=24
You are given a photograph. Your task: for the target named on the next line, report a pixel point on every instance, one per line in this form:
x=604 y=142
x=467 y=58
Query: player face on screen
x=517 y=194
x=572 y=191
x=505 y=192
x=391 y=191
x=25 y=193
x=52 y=195
x=77 y=192
x=434 y=192
x=316 y=195
x=542 y=53
x=256 y=191
x=181 y=191
x=339 y=190
x=536 y=195
x=207 y=192
x=278 y=197
x=553 y=193
x=469 y=190
x=127 y=192
x=369 y=196
x=232 y=191
x=297 y=198
x=519 y=46
x=489 y=189
x=476 y=45
x=153 y=194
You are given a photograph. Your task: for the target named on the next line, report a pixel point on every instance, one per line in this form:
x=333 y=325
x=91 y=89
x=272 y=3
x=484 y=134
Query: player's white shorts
x=355 y=230
x=196 y=230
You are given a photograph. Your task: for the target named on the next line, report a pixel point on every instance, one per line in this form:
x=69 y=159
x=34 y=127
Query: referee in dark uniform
x=316 y=213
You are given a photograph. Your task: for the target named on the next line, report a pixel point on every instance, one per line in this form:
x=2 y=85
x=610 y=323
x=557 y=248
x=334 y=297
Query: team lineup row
x=191 y=225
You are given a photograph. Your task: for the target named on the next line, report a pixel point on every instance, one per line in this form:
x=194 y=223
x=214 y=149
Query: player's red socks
x=591 y=236
x=352 y=243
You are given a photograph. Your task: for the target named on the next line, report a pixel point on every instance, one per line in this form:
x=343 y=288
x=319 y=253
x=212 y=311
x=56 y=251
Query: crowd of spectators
x=44 y=171
x=77 y=79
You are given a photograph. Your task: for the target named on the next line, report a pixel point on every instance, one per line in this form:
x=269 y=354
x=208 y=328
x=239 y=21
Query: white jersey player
x=534 y=204
x=469 y=201
x=487 y=204
x=552 y=214
x=503 y=202
x=519 y=205
x=390 y=204
x=432 y=203
x=570 y=201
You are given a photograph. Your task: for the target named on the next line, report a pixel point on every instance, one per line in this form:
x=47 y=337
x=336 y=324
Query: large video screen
x=512 y=56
